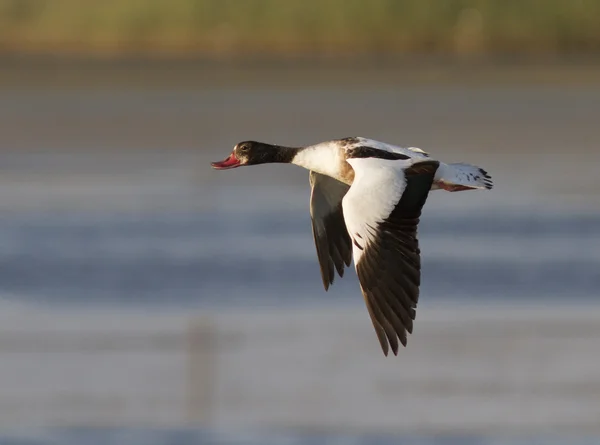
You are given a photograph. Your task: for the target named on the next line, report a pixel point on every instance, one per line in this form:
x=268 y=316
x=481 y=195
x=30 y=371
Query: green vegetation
x=222 y=27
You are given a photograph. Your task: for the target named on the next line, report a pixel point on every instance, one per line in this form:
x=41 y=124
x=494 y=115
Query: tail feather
x=460 y=176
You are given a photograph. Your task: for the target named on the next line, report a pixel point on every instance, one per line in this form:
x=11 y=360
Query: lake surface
x=209 y=437
x=91 y=216
x=195 y=258
x=107 y=200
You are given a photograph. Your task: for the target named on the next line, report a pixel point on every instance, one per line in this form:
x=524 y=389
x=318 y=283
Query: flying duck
x=366 y=201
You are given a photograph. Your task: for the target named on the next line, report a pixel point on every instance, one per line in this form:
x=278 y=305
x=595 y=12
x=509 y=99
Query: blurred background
x=145 y=298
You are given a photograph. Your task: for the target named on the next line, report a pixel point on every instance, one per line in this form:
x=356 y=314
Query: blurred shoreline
x=39 y=72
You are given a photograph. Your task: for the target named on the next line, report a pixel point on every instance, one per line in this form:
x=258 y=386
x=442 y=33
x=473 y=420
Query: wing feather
x=382 y=211
x=334 y=247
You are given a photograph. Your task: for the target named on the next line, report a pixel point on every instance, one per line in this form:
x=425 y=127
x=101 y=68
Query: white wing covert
x=382 y=211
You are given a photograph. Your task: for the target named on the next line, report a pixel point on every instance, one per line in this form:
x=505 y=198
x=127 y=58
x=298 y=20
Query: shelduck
x=366 y=202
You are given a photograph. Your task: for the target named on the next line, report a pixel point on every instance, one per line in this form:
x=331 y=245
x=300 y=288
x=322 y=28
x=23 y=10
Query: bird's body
x=366 y=201
x=331 y=159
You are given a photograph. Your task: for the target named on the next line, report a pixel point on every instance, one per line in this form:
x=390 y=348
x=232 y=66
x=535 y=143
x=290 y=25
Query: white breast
x=326 y=158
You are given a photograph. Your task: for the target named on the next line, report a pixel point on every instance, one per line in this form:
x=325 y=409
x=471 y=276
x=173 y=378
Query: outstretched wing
x=334 y=248
x=382 y=211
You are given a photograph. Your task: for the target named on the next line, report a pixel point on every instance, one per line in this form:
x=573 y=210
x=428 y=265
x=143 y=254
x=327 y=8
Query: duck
x=365 y=206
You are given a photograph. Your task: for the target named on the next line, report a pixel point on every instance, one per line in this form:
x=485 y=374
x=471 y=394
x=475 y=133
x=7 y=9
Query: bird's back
x=412 y=152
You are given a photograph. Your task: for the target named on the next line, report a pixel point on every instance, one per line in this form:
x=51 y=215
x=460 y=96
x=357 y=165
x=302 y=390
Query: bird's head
x=253 y=153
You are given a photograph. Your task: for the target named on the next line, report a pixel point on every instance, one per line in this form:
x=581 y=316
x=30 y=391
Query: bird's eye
x=244 y=147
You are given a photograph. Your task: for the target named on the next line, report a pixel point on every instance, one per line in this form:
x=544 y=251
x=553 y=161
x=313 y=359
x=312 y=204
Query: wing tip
x=395 y=348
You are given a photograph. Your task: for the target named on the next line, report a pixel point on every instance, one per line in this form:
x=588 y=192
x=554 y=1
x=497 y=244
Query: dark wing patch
x=390 y=268
x=487 y=179
x=333 y=243
x=352 y=140
x=370 y=152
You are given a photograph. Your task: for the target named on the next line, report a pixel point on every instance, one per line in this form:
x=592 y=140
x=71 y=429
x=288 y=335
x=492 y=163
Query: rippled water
x=209 y=437
x=107 y=199
x=216 y=258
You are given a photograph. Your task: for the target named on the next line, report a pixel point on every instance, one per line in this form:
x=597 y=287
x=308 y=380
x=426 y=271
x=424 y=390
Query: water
x=209 y=437
x=107 y=201
x=206 y=259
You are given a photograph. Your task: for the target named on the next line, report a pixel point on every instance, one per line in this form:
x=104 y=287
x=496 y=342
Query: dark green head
x=253 y=153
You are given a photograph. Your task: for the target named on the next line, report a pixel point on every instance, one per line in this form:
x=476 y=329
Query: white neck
x=325 y=158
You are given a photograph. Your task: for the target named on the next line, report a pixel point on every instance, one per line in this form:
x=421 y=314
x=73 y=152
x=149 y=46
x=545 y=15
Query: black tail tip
x=487 y=179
